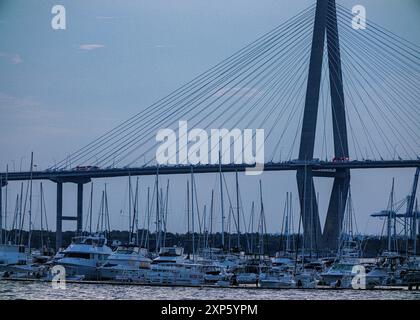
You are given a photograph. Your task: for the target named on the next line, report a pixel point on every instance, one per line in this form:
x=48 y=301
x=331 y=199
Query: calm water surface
x=36 y=290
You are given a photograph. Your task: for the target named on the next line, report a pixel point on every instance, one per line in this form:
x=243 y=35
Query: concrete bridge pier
x=59 y=213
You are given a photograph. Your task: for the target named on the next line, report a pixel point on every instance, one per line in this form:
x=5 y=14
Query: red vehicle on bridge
x=340 y=159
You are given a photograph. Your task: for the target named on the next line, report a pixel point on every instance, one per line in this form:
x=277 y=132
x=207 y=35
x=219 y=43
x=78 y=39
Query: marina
x=287 y=171
x=32 y=290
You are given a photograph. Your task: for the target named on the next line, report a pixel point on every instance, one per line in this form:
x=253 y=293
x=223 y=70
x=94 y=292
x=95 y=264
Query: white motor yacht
x=340 y=274
x=84 y=256
x=276 y=279
x=125 y=262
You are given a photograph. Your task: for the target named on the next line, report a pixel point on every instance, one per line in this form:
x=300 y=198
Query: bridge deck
x=323 y=167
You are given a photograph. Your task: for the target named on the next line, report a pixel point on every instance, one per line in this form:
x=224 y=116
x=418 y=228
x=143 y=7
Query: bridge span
x=320 y=168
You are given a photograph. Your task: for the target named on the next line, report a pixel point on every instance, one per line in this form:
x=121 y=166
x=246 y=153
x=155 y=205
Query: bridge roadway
x=320 y=168
x=80 y=177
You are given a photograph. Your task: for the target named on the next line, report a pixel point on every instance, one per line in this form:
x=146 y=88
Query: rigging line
x=390 y=45
x=247 y=84
x=332 y=68
x=297 y=62
x=390 y=65
x=276 y=103
x=382 y=136
x=400 y=135
x=301 y=65
x=391 y=88
x=384 y=46
x=232 y=81
x=253 y=44
x=354 y=138
x=394 y=62
x=291 y=67
x=288 y=71
x=344 y=11
x=363 y=87
x=302 y=79
x=368 y=83
x=372 y=145
x=384 y=116
x=219 y=81
x=323 y=102
x=230 y=202
x=298 y=129
x=290 y=116
x=402 y=121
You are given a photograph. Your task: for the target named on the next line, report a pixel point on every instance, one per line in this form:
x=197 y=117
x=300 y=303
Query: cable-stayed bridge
x=330 y=98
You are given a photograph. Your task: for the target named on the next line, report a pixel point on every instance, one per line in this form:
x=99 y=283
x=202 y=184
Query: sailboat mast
x=415 y=229
x=91 y=208
x=252 y=226
x=165 y=218
x=30 y=204
x=129 y=209
x=261 y=244
x=237 y=209
x=211 y=215
x=221 y=201
x=5 y=203
x=148 y=219
x=286 y=227
x=21 y=213
x=136 y=212
x=157 y=211
x=192 y=213
x=1 y=210
x=389 y=220
x=42 y=225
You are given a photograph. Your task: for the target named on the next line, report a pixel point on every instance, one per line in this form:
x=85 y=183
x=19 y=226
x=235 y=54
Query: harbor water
x=44 y=291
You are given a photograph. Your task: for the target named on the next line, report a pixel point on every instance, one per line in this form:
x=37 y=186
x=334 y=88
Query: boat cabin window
x=127 y=250
x=170 y=251
x=99 y=242
x=80 y=255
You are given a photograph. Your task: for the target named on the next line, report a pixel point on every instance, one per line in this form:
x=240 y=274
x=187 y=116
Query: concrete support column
x=312 y=234
x=79 y=207
x=336 y=210
x=1 y=210
x=59 y=225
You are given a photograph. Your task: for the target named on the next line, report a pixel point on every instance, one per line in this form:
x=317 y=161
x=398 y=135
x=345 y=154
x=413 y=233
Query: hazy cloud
x=164 y=46
x=13 y=58
x=91 y=46
x=105 y=18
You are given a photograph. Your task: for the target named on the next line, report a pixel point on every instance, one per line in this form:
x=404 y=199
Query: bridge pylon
x=325 y=28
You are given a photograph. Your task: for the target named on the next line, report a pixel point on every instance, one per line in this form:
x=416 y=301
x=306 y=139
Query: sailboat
x=83 y=257
x=129 y=260
x=274 y=277
x=342 y=271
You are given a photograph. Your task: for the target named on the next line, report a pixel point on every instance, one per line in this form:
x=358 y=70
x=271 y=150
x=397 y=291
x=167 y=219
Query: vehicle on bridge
x=340 y=159
x=86 y=168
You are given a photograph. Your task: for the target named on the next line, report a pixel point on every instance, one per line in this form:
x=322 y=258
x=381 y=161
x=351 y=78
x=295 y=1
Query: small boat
x=125 y=262
x=341 y=274
x=276 y=279
x=11 y=254
x=84 y=256
x=190 y=274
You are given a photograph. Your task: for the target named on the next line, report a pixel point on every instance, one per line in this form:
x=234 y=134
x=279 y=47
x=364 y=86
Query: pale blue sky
x=55 y=95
